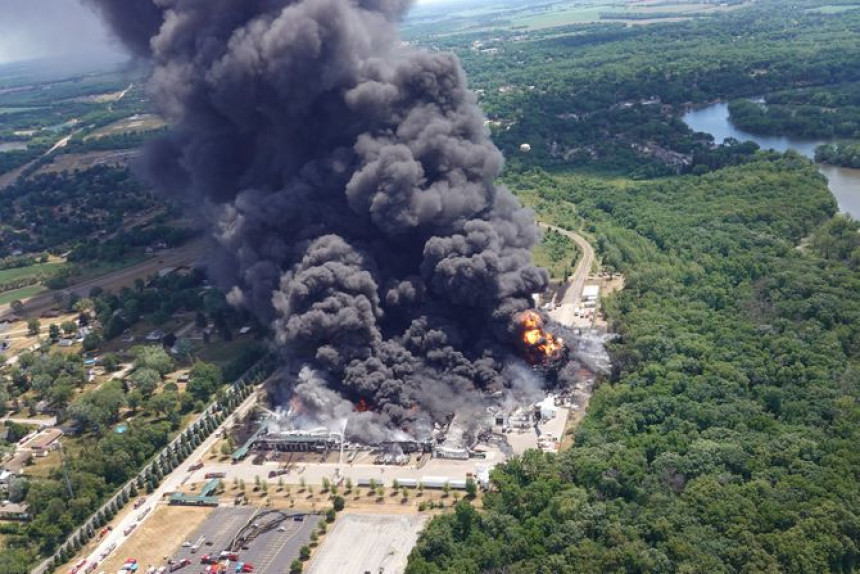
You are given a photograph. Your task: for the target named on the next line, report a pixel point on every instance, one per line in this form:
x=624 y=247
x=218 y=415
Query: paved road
x=564 y=312
x=50 y=421
x=170 y=483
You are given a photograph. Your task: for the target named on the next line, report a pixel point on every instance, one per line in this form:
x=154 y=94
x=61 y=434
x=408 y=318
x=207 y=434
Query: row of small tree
x=167 y=460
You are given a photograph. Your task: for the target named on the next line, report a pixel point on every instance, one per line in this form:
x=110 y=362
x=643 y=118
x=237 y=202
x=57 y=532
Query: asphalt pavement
x=564 y=313
x=269 y=553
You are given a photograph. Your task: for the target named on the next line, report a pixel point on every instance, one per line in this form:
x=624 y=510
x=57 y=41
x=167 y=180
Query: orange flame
x=539 y=344
x=361 y=406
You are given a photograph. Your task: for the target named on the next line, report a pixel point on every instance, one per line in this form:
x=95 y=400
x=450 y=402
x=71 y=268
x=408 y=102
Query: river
x=844 y=182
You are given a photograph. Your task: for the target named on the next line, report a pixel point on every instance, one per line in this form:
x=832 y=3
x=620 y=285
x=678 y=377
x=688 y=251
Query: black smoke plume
x=350 y=183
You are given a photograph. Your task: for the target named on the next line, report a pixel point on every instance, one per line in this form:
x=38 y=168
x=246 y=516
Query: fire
x=538 y=343
x=361 y=406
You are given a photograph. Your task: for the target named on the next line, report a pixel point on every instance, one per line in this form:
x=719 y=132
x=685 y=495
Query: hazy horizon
x=39 y=29
x=49 y=29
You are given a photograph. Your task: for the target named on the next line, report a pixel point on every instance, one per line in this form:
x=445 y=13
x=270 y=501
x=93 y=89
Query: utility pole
x=342 y=444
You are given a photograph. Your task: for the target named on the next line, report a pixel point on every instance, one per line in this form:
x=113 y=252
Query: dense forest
x=825 y=111
x=845 y=155
x=725 y=440
x=797 y=120
x=58 y=211
x=609 y=96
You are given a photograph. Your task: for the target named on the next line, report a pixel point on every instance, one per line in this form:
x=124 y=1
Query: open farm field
x=136 y=123
x=30 y=271
x=16 y=110
x=8 y=296
x=82 y=161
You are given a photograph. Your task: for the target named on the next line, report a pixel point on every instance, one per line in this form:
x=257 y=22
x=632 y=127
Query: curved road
x=563 y=313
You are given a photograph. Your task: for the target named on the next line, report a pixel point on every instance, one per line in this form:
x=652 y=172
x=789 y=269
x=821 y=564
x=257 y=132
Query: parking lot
x=368 y=543
x=270 y=552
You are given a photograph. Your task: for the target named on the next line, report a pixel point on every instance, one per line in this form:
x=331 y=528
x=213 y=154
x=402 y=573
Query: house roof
x=45 y=438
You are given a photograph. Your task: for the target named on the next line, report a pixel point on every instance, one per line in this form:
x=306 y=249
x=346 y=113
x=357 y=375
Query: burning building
x=349 y=183
x=539 y=345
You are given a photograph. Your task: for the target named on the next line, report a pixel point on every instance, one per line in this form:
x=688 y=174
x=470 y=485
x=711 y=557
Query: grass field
x=159 y=536
x=552 y=14
x=31 y=270
x=557 y=254
x=141 y=123
x=95 y=270
x=4 y=111
x=834 y=9
x=8 y=296
x=553 y=18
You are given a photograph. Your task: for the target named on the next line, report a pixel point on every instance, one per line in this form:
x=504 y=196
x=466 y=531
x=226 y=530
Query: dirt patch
x=573 y=420
x=137 y=123
x=608 y=284
x=160 y=536
x=310 y=499
x=83 y=161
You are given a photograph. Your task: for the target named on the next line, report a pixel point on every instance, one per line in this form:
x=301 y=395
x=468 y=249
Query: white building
x=590 y=292
x=547 y=408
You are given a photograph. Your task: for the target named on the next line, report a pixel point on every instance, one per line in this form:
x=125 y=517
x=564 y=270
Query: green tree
x=91 y=342
x=153 y=357
x=204 y=379
x=145 y=380
x=110 y=362
x=471 y=488
x=134 y=399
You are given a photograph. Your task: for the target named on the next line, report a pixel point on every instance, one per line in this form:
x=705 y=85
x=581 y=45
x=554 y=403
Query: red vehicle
x=215 y=475
x=228 y=555
x=247 y=567
x=208 y=559
x=104 y=531
x=196 y=466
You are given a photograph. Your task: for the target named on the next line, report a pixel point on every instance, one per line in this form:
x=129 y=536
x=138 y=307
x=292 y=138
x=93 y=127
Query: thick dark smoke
x=350 y=181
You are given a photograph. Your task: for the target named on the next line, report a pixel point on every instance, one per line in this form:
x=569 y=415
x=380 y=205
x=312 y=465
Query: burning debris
x=349 y=183
x=538 y=345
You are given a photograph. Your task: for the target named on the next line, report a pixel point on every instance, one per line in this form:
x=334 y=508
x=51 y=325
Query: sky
x=31 y=29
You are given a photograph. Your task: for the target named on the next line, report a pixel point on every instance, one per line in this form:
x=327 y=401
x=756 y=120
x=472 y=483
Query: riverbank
x=844 y=183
